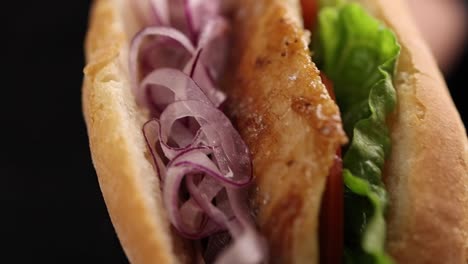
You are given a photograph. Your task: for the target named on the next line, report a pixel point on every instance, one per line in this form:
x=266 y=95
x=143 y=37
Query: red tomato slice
x=309 y=13
x=328 y=84
x=332 y=211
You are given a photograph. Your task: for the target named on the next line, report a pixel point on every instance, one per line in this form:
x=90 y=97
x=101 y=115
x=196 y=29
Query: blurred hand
x=443 y=24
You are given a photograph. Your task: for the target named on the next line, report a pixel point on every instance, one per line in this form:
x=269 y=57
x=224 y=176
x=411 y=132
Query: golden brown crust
x=278 y=117
x=129 y=185
x=287 y=119
x=427 y=173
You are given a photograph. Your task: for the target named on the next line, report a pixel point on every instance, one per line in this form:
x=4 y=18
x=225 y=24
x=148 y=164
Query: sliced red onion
x=184 y=143
x=151 y=131
x=248 y=248
x=141 y=7
x=215 y=28
x=153 y=31
x=192 y=215
x=195 y=162
x=202 y=11
x=216 y=243
x=239 y=204
x=175 y=174
x=200 y=75
x=180 y=84
x=190 y=67
x=205 y=201
x=214 y=41
x=201 y=163
x=178 y=18
x=207 y=189
x=190 y=23
x=232 y=156
x=191 y=142
x=160 y=10
x=207 y=186
x=171 y=200
x=213 y=31
x=162 y=52
x=185 y=140
x=224 y=204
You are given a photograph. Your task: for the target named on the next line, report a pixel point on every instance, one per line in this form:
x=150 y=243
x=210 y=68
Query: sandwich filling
x=359 y=54
x=203 y=164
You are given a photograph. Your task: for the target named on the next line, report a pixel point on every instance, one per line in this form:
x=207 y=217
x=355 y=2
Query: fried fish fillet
x=288 y=120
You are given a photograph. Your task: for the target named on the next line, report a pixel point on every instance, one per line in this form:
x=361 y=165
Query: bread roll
x=293 y=129
x=128 y=182
x=427 y=172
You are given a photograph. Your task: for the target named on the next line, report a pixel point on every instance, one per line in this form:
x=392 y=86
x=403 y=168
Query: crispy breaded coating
x=287 y=118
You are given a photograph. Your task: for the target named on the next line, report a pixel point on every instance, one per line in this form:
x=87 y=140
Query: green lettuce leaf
x=359 y=55
x=332 y=3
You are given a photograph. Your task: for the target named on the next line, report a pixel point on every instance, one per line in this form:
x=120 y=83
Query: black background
x=52 y=210
x=51 y=206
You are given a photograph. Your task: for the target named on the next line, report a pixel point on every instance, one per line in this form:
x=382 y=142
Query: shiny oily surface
x=289 y=122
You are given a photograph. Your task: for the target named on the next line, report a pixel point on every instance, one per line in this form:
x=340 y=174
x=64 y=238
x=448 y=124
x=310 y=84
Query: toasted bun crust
x=427 y=173
x=129 y=185
x=127 y=180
